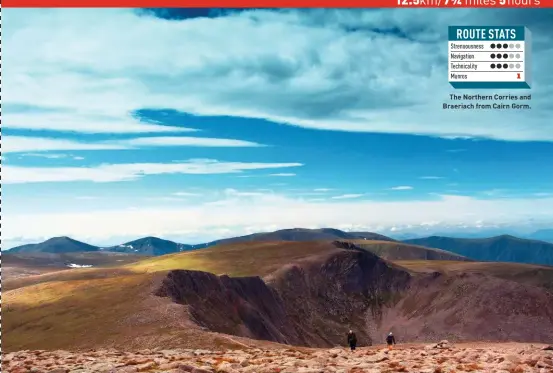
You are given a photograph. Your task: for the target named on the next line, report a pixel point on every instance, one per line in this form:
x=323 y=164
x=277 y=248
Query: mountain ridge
x=505 y=248
x=150 y=246
x=303 y=234
x=502 y=248
x=61 y=244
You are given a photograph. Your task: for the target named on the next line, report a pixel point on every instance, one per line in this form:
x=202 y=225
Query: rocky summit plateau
x=442 y=357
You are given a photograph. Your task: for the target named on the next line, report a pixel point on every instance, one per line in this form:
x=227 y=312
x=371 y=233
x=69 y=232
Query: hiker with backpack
x=390 y=340
x=352 y=340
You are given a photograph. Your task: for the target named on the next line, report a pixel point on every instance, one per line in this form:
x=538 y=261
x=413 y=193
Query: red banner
x=278 y=3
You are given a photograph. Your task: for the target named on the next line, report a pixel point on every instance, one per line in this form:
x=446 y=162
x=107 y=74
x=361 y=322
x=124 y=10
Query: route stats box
x=489 y=57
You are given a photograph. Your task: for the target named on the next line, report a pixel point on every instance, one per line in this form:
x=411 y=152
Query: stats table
x=489 y=57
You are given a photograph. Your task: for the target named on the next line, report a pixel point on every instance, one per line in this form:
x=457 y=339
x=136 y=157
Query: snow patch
x=72 y=265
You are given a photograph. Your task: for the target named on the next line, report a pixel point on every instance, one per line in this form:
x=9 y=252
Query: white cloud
x=131 y=171
x=322 y=190
x=51 y=156
x=431 y=177
x=229 y=192
x=45 y=155
x=347 y=196
x=283 y=174
x=87 y=70
x=494 y=192
x=71 y=121
x=235 y=215
x=18 y=144
x=185 y=141
x=167 y=199
x=402 y=187
x=186 y=194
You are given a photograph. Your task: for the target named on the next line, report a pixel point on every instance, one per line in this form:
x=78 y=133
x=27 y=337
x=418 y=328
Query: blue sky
x=195 y=125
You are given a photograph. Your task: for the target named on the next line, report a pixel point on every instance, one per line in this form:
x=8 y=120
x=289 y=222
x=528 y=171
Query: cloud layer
x=92 y=71
x=350 y=70
x=125 y=172
x=19 y=144
x=270 y=211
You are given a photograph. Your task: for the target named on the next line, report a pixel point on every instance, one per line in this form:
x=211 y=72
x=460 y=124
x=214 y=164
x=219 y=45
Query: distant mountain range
x=541 y=235
x=304 y=234
x=158 y=246
x=55 y=245
x=151 y=246
x=503 y=248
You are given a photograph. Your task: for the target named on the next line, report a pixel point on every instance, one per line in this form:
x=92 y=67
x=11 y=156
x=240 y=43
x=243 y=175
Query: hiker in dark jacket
x=352 y=340
x=390 y=340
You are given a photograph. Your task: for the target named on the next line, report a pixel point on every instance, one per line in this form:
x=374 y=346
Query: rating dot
x=505 y=55
x=505 y=46
x=492 y=65
x=492 y=46
x=511 y=55
x=517 y=65
x=517 y=55
x=499 y=66
x=498 y=46
x=511 y=66
x=511 y=45
x=492 y=55
x=517 y=46
x=505 y=66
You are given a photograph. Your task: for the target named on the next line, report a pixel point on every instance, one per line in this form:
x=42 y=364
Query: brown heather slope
x=401 y=251
x=114 y=307
x=117 y=312
x=242 y=259
x=238 y=259
x=318 y=291
x=17 y=265
x=537 y=275
x=93 y=258
x=19 y=271
x=61 y=276
x=257 y=258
